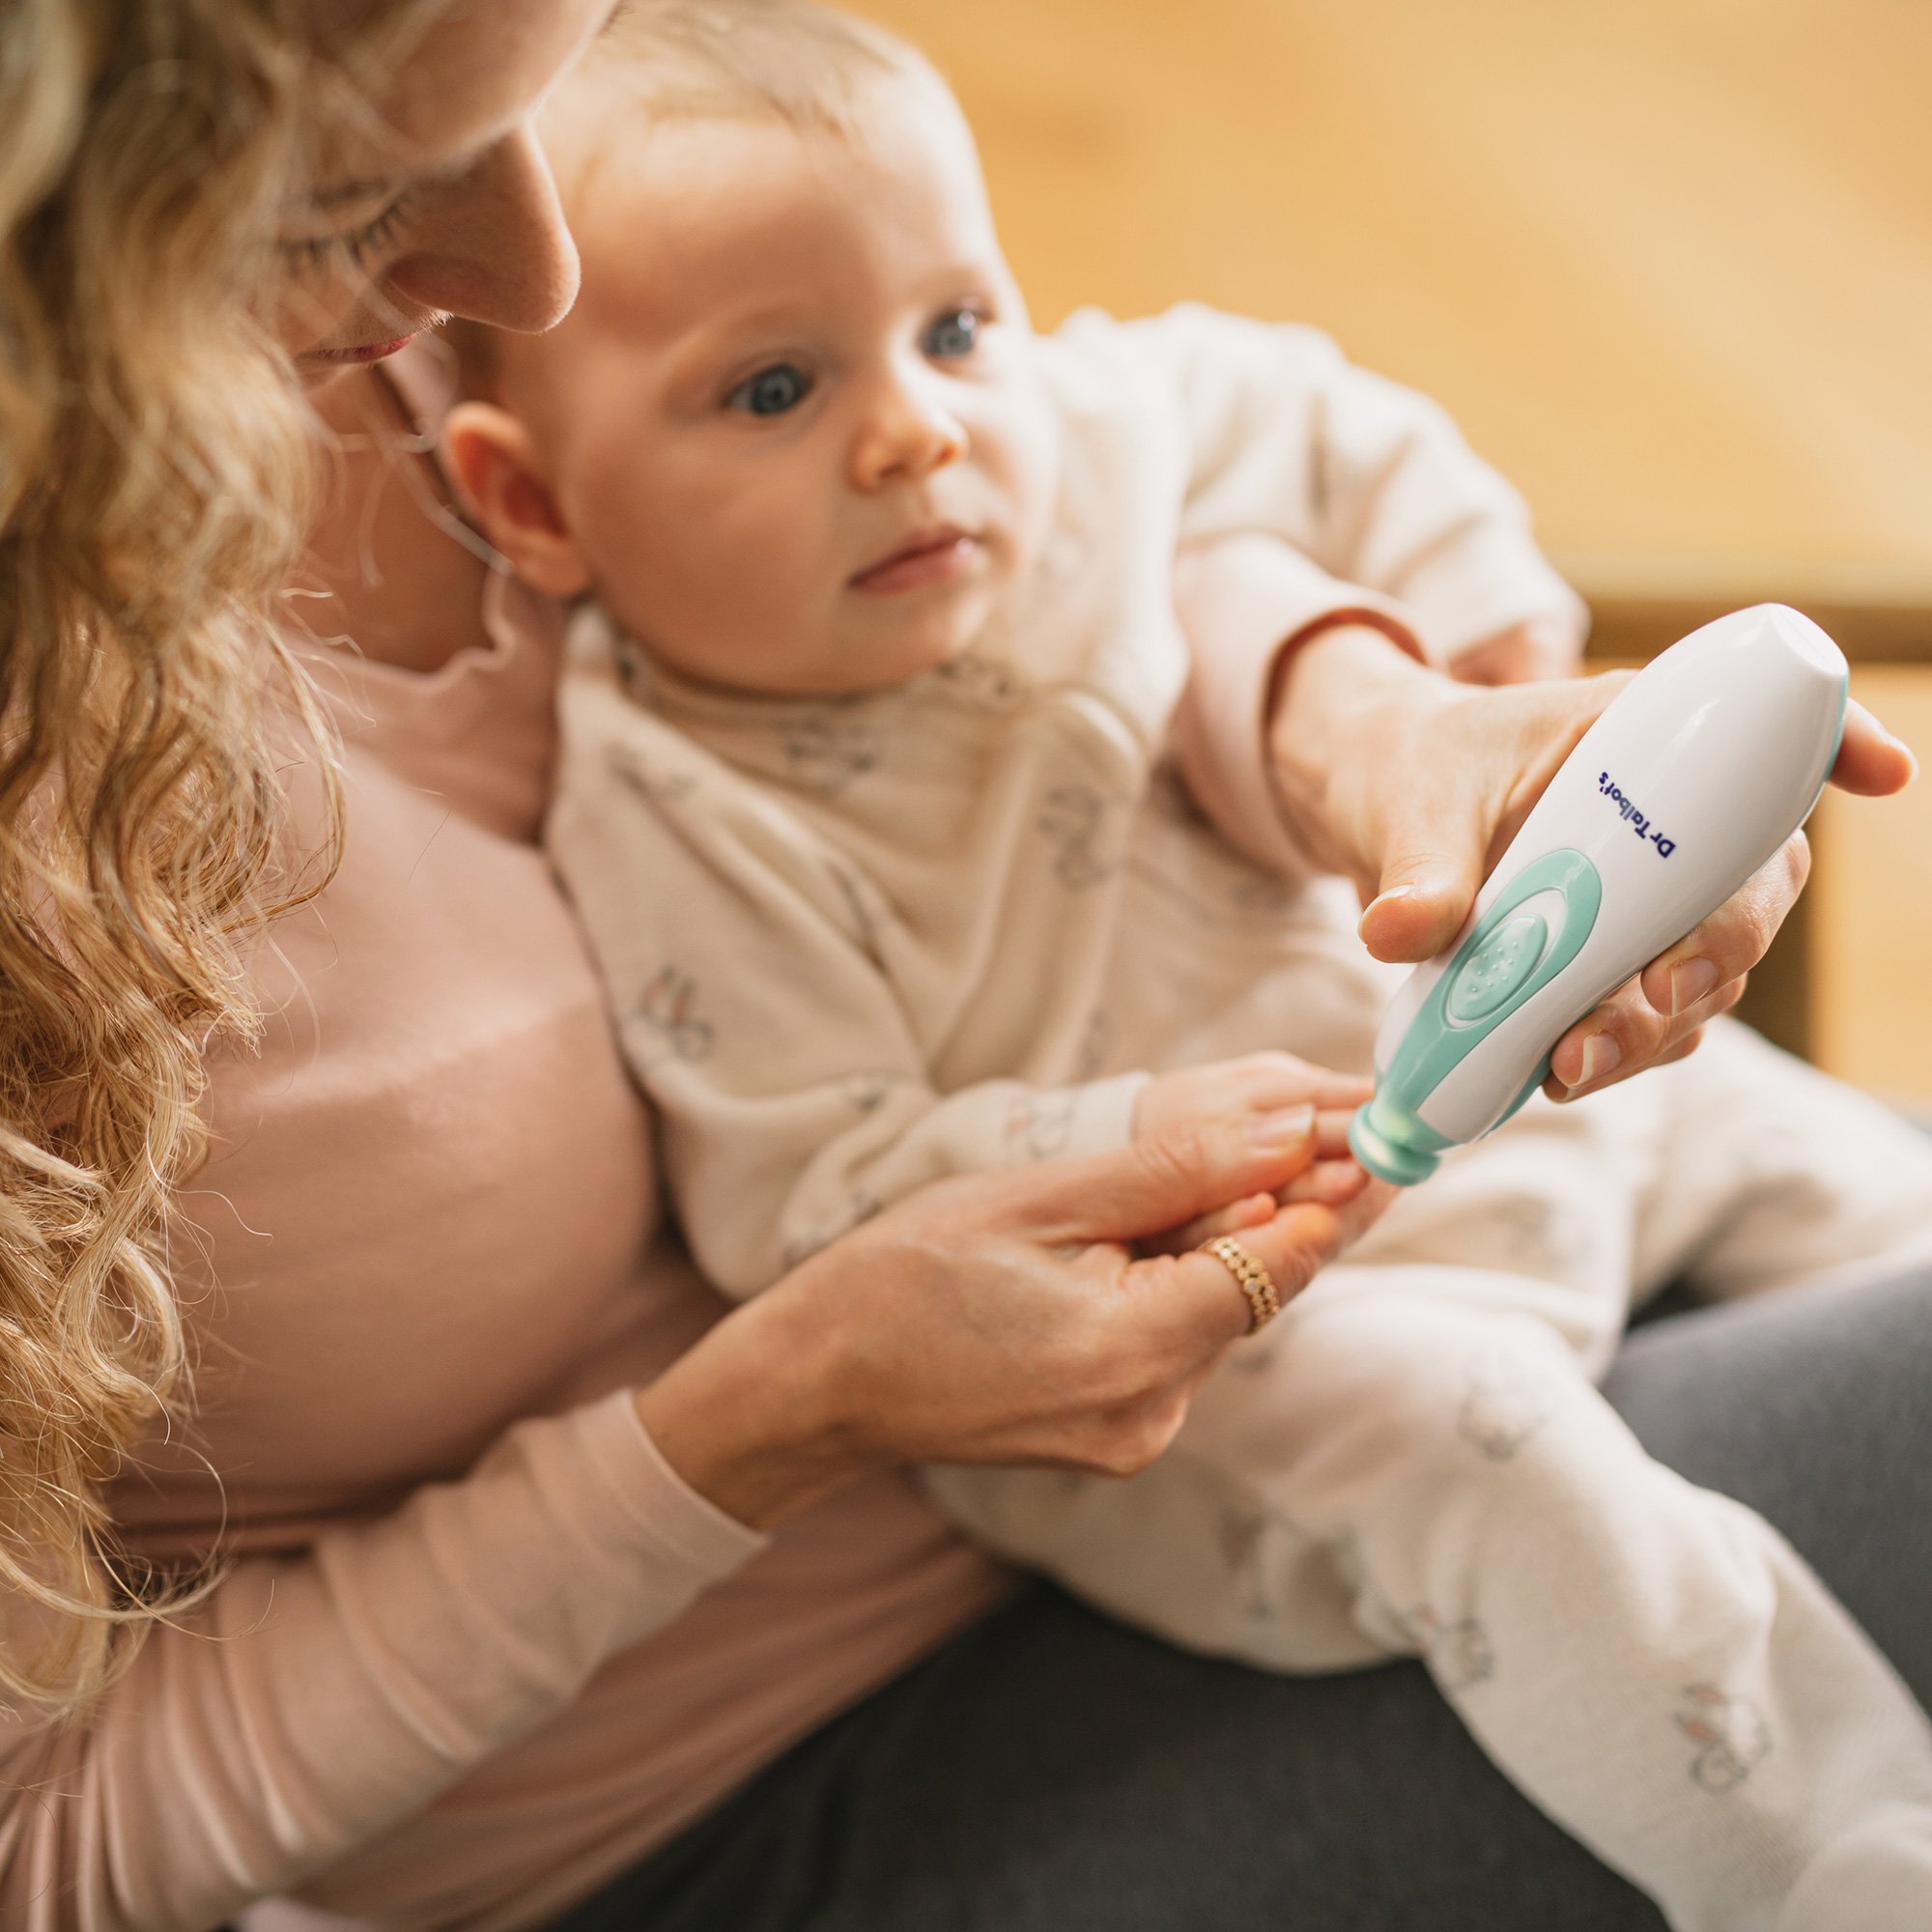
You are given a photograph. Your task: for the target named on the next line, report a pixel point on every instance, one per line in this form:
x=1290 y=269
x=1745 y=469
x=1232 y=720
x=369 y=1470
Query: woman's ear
x=488 y=457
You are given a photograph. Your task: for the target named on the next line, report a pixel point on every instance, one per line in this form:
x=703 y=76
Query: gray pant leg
x=1052 y=1772
x=1815 y=1409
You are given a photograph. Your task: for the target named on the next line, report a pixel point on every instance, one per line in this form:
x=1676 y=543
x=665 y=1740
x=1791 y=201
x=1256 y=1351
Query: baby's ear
x=488 y=457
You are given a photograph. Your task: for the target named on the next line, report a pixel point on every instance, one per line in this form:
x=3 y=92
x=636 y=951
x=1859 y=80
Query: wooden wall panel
x=1870 y=967
x=1669 y=261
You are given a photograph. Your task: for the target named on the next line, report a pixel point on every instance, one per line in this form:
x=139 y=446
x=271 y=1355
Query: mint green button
x=1494 y=972
x=1389 y=1135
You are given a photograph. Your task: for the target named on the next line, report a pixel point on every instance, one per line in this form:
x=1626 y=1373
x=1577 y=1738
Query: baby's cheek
x=612 y=501
x=737 y=591
x=1023 y=461
x=663 y=541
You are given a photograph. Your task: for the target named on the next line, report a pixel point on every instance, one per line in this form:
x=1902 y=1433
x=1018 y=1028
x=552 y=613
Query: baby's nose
x=909 y=435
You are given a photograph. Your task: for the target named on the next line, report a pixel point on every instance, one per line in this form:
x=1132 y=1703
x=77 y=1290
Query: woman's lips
x=372 y=351
x=933 y=556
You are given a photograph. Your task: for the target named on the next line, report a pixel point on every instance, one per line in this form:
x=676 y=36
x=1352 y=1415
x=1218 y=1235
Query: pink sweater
x=481 y=1648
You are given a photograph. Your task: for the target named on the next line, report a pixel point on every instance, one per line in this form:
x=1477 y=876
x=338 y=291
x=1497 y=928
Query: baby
x=868 y=805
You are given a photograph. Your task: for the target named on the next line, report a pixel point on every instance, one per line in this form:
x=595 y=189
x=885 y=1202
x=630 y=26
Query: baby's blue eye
x=955 y=335
x=772 y=391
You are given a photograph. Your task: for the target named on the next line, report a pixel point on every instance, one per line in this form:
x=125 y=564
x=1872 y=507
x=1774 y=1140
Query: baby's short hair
x=807 y=64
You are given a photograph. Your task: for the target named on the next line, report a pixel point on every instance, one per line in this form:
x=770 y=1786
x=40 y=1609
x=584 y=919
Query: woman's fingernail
x=1600 y=1054
x=1291 y=1126
x=1690 y=982
x=1388 y=897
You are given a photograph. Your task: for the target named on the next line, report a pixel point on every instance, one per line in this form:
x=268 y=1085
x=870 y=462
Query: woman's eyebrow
x=381 y=187
x=337 y=192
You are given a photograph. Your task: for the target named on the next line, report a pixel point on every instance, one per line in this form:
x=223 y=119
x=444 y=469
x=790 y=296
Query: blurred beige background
x=1668 y=261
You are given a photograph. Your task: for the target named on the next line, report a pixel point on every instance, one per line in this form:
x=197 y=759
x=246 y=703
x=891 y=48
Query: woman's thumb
x=1444 y=819
x=1432 y=866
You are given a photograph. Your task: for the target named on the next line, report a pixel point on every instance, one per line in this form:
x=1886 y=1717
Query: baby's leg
x=1773 y=1174
x=1546 y=1212
x=1737 y=1170
x=1414 y=1462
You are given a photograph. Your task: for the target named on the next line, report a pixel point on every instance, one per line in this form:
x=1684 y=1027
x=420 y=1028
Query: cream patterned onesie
x=855 y=945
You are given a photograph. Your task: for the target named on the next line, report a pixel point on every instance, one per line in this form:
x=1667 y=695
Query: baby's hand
x=1250 y=1088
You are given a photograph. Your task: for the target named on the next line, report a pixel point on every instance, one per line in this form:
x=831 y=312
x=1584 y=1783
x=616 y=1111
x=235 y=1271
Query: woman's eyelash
x=313 y=253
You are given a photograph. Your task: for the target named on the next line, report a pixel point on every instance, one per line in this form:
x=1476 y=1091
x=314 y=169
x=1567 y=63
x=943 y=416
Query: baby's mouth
x=939 y=555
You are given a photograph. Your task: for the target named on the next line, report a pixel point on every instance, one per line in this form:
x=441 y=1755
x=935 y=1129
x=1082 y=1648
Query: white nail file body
x=1698 y=772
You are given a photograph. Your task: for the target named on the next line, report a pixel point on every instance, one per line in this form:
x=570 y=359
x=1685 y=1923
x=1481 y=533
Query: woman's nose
x=908 y=434
x=495 y=246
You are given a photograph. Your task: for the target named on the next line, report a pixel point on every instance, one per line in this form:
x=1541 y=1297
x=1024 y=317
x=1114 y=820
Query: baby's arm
x=744 y=961
x=1318 y=494
x=1370 y=482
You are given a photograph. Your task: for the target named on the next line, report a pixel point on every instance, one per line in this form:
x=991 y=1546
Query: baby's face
x=794 y=425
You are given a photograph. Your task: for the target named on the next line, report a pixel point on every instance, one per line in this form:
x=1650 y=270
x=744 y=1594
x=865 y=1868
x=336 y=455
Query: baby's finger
x=1345 y=1091
x=1134 y=1192
x=1330 y=1182
x=1331 y=1130
x=1319 y=1086
x=1253 y=1211
x=1356 y=1218
x=1271 y=1079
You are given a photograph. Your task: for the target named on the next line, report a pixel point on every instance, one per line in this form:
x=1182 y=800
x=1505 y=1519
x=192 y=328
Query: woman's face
x=444 y=203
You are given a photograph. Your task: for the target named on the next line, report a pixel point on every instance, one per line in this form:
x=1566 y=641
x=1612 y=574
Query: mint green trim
x=1402 y=1150
x=1484 y=985
x=1433 y=1045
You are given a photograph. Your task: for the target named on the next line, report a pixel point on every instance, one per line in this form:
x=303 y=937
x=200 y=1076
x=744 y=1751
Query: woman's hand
x=1412 y=784
x=999 y=1318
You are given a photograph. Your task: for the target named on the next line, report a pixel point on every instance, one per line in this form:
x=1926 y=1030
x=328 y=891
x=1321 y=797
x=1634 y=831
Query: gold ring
x=1253 y=1278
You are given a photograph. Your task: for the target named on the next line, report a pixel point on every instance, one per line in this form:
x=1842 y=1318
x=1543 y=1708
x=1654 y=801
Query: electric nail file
x=1698 y=772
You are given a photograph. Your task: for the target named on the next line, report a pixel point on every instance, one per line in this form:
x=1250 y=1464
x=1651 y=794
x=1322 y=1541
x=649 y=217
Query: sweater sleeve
x=794 y=1094
x=379 y=1667
x=1371 y=482
x=1251 y=602
x=1381 y=514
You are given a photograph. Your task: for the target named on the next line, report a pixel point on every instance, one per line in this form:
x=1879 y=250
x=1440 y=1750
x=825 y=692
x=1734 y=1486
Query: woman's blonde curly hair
x=156 y=464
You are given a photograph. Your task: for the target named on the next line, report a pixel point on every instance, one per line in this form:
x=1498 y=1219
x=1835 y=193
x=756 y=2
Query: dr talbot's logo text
x=1638 y=822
